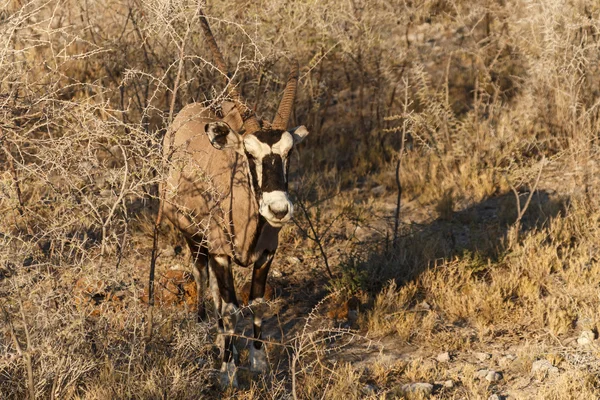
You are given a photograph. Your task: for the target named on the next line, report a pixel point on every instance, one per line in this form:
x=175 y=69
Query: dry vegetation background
x=488 y=110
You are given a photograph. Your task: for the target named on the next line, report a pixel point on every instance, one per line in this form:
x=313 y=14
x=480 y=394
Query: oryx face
x=267 y=152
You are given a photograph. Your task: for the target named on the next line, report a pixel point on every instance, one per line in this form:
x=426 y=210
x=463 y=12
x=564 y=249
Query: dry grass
x=485 y=95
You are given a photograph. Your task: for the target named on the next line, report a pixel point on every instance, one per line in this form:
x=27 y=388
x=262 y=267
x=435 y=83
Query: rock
x=443 y=357
x=505 y=361
x=493 y=376
x=369 y=389
x=275 y=273
x=167 y=252
x=481 y=374
x=420 y=388
x=586 y=338
x=496 y=397
x=482 y=356
x=362 y=234
x=378 y=190
x=293 y=260
x=390 y=206
x=542 y=367
x=448 y=384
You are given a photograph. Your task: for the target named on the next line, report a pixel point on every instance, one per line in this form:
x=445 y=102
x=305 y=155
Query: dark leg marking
x=227 y=307
x=258 y=360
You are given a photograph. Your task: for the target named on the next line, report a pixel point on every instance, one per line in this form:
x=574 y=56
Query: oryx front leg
x=258 y=356
x=227 y=309
x=199 y=260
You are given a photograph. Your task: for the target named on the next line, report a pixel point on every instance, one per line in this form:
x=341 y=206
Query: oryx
x=227 y=191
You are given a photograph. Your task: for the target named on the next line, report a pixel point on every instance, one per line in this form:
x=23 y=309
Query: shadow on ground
x=478 y=231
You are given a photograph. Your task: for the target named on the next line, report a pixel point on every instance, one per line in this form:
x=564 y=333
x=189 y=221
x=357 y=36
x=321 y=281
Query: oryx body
x=210 y=197
x=227 y=192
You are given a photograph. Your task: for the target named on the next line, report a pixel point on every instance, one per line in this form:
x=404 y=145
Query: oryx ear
x=231 y=116
x=221 y=136
x=299 y=133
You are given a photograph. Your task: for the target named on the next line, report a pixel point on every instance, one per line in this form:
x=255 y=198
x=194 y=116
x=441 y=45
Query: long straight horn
x=287 y=101
x=250 y=122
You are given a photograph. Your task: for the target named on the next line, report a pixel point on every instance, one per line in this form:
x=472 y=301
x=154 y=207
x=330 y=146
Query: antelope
x=227 y=192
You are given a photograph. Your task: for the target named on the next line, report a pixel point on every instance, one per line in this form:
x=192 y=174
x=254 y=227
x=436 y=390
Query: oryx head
x=267 y=149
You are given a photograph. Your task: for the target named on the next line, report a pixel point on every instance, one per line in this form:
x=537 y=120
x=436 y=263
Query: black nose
x=279 y=214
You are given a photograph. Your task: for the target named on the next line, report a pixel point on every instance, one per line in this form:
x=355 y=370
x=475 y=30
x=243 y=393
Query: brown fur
x=208 y=195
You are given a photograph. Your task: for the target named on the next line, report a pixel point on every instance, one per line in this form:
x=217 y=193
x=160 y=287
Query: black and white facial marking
x=268 y=153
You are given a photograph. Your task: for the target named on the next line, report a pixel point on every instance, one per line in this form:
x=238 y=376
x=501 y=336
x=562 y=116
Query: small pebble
x=493 y=376
x=482 y=356
x=378 y=190
x=421 y=388
x=505 y=361
x=482 y=373
x=275 y=273
x=449 y=384
x=369 y=389
x=543 y=366
x=422 y=306
x=586 y=338
x=443 y=357
x=293 y=260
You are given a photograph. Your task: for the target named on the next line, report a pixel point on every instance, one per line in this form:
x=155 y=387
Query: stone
x=419 y=388
x=362 y=234
x=505 y=361
x=378 y=190
x=481 y=374
x=586 y=338
x=542 y=367
x=443 y=357
x=293 y=260
x=423 y=306
x=369 y=389
x=275 y=273
x=493 y=376
x=449 y=384
x=482 y=356
x=167 y=252
x=496 y=397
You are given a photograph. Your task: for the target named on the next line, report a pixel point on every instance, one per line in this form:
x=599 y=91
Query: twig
x=316 y=238
x=116 y=203
x=398 y=165
x=521 y=210
x=293 y=371
x=22 y=353
x=13 y=172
